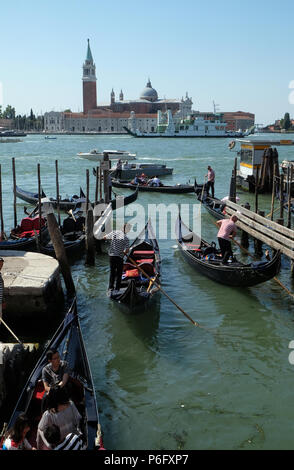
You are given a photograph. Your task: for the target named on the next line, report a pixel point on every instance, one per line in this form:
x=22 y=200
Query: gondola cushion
x=132 y=273
x=36 y=223
x=27 y=224
x=28 y=234
x=193 y=247
x=145 y=261
x=142 y=254
x=39 y=390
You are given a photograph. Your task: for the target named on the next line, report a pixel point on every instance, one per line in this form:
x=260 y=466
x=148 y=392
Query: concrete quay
x=32 y=287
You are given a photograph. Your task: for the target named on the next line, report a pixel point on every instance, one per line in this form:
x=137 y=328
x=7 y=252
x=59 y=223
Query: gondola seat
x=192 y=247
x=39 y=390
x=142 y=254
x=147 y=260
x=131 y=273
x=148 y=268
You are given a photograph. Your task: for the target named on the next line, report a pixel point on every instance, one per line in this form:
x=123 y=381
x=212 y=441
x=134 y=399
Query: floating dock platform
x=32 y=287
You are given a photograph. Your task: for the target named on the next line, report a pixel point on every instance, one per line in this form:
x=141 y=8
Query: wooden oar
x=10 y=331
x=70 y=212
x=160 y=288
x=202 y=192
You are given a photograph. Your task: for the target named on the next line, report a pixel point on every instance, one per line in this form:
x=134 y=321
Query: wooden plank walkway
x=271 y=233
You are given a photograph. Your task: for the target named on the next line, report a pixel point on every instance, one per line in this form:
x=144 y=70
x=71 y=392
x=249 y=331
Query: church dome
x=149 y=93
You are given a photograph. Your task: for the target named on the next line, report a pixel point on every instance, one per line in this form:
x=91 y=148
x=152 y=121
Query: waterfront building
x=238 y=120
x=140 y=114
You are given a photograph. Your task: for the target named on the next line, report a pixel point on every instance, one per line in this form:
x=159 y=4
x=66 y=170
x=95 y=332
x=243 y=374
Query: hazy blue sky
x=239 y=54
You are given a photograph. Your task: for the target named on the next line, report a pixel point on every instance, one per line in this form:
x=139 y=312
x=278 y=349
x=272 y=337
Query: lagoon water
x=162 y=383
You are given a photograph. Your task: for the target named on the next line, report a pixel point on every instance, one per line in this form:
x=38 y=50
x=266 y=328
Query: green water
x=162 y=383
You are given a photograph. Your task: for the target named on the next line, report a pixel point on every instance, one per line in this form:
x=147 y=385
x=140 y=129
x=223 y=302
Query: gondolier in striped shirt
x=1 y=287
x=118 y=247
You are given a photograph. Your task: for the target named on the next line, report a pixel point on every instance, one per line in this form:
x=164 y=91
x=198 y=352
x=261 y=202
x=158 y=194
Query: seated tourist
x=155 y=181
x=62 y=412
x=16 y=436
x=72 y=441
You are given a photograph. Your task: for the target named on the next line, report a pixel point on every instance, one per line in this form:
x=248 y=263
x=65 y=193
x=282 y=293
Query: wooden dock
x=267 y=231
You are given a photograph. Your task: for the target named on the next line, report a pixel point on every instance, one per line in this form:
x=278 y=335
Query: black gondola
x=64 y=204
x=207 y=260
x=74 y=245
x=136 y=289
x=26 y=236
x=126 y=200
x=214 y=206
x=73 y=235
x=68 y=340
x=175 y=189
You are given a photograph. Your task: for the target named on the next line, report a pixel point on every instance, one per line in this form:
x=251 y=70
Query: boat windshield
x=246 y=156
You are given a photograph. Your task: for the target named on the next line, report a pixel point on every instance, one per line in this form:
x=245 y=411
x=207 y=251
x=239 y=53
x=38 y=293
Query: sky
x=236 y=54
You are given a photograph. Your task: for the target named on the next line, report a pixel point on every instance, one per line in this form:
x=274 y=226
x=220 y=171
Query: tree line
x=22 y=122
x=285 y=123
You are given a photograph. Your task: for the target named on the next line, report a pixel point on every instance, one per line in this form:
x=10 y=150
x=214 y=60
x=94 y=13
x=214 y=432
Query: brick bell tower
x=89 y=83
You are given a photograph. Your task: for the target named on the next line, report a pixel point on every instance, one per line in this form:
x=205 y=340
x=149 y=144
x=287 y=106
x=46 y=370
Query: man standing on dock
x=118 y=247
x=227 y=231
x=210 y=181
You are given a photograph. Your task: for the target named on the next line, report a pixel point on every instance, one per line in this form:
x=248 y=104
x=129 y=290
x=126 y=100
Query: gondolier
x=118 y=247
x=210 y=180
x=227 y=231
x=118 y=169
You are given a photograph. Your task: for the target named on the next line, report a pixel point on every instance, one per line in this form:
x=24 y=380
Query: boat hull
x=136 y=292
x=234 y=274
x=68 y=340
x=177 y=189
x=32 y=198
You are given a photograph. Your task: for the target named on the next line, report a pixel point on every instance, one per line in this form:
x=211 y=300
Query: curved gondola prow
x=126 y=200
x=68 y=340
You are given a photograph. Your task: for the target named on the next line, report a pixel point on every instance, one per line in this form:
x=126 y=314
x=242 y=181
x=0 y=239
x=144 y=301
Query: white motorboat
x=95 y=155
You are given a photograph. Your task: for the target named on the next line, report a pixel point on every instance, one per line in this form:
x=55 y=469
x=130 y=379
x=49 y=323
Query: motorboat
x=130 y=170
x=95 y=155
x=258 y=159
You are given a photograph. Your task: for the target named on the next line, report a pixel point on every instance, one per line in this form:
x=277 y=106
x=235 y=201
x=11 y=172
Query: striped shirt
x=1 y=288
x=119 y=243
x=72 y=442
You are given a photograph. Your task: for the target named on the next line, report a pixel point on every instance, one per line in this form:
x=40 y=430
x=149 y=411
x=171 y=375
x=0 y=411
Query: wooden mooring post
x=273 y=195
x=257 y=242
x=1 y=207
x=244 y=234
x=281 y=196
x=14 y=192
x=105 y=167
x=60 y=253
x=289 y=178
x=39 y=238
x=57 y=192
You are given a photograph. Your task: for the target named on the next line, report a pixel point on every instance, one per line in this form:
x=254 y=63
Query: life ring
x=232 y=144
